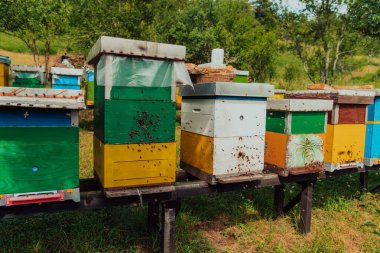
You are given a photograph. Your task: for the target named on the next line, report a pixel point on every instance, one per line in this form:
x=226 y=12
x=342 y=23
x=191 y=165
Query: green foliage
x=365 y=16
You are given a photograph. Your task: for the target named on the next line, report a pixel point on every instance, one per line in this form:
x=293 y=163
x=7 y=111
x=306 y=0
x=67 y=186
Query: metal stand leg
x=153 y=215
x=306 y=204
x=167 y=230
x=279 y=195
x=364 y=181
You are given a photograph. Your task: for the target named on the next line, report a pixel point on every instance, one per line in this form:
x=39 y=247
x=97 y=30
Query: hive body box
x=372 y=142
x=295 y=135
x=28 y=76
x=39 y=150
x=5 y=62
x=223 y=129
x=279 y=94
x=346 y=129
x=241 y=76
x=134 y=116
x=66 y=78
x=90 y=88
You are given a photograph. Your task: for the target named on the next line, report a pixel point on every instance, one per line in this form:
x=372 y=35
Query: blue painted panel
x=21 y=116
x=66 y=87
x=90 y=76
x=374 y=110
x=368 y=141
x=68 y=80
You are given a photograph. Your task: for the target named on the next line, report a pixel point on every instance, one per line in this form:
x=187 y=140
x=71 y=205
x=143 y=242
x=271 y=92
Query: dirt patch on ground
x=365 y=71
x=27 y=59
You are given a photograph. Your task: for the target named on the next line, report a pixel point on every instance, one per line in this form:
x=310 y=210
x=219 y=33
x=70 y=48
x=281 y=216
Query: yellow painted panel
x=345 y=143
x=4 y=74
x=279 y=95
x=178 y=98
x=373 y=122
x=130 y=165
x=197 y=150
x=275 y=149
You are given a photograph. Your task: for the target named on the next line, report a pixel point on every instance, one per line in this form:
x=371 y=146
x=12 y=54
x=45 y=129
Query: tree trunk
x=47 y=59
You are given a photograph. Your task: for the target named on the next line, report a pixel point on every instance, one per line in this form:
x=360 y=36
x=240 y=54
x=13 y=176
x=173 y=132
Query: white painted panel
x=300 y=105
x=234 y=118
x=238 y=155
x=198 y=123
x=202 y=106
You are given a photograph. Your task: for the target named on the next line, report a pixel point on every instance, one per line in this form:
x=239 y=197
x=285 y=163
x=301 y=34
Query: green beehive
x=241 y=76
x=28 y=76
x=135 y=96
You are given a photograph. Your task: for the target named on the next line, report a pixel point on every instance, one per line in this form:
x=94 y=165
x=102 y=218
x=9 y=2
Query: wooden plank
x=167 y=233
x=362 y=100
x=130 y=122
x=138 y=93
x=275 y=121
x=279 y=197
x=131 y=165
x=308 y=122
x=229 y=179
x=275 y=151
x=304 y=225
x=299 y=105
x=21 y=117
x=292 y=203
x=138 y=191
x=351 y=114
x=223 y=118
x=364 y=181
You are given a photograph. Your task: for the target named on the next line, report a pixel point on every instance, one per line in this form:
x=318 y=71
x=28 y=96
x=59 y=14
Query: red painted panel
x=352 y=114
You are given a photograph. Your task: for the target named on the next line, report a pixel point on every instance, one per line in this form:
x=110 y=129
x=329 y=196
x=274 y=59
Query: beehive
x=279 y=94
x=372 y=142
x=223 y=129
x=295 y=134
x=241 y=76
x=134 y=111
x=39 y=151
x=90 y=88
x=5 y=62
x=28 y=76
x=66 y=78
x=346 y=129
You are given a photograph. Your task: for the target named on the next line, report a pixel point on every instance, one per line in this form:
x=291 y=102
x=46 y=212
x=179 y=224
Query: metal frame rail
x=169 y=197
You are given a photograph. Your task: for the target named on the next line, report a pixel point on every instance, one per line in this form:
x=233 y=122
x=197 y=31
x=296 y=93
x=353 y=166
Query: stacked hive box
x=28 y=76
x=134 y=111
x=223 y=129
x=66 y=78
x=90 y=88
x=295 y=135
x=346 y=129
x=279 y=93
x=241 y=76
x=5 y=62
x=39 y=149
x=372 y=143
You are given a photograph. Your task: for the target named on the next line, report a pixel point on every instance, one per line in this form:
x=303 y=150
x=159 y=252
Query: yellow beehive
x=345 y=143
x=129 y=165
x=4 y=71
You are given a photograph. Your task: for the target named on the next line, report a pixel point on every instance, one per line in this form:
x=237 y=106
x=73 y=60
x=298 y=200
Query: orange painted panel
x=275 y=149
x=197 y=150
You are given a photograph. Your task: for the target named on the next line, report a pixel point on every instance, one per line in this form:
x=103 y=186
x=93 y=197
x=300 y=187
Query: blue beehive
x=66 y=78
x=372 y=144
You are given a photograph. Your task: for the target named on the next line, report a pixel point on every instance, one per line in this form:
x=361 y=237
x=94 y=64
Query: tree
x=35 y=21
x=321 y=36
x=365 y=16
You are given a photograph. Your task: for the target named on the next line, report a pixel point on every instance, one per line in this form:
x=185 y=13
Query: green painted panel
x=308 y=122
x=131 y=121
x=38 y=159
x=90 y=91
x=241 y=79
x=29 y=85
x=275 y=121
x=40 y=134
x=137 y=93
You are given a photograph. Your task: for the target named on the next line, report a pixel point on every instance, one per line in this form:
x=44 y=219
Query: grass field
x=344 y=220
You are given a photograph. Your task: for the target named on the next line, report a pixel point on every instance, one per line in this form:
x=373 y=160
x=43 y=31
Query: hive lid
x=25 y=68
x=42 y=98
x=339 y=96
x=242 y=72
x=279 y=91
x=228 y=89
x=5 y=59
x=120 y=46
x=300 y=105
x=66 y=71
x=377 y=92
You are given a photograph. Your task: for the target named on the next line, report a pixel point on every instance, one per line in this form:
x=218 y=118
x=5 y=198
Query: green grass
x=344 y=220
x=14 y=44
